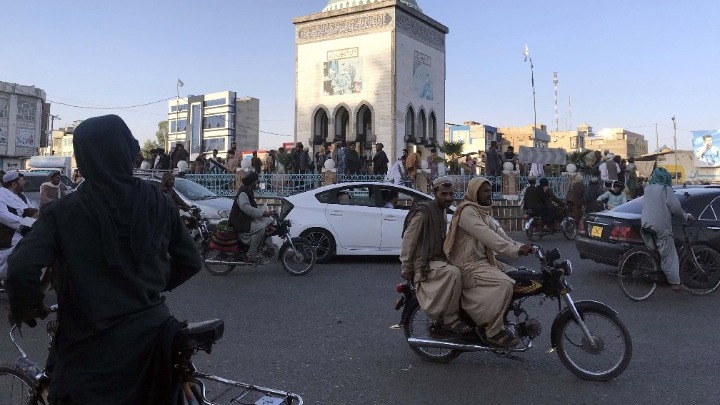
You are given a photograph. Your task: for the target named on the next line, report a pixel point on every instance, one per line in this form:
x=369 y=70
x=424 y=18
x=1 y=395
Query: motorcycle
x=535 y=228
x=590 y=339
x=197 y=225
x=222 y=251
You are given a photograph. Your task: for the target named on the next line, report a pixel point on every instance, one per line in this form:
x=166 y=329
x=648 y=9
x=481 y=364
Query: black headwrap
x=250 y=178
x=129 y=212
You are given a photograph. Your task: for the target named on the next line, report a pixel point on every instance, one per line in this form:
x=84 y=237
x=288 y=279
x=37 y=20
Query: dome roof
x=340 y=4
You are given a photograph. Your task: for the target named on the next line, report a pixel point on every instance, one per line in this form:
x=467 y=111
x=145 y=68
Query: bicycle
x=639 y=269
x=24 y=382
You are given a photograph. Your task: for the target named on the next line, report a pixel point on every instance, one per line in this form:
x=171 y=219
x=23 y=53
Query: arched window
x=364 y=125
x=342 y=124
x=320 y=127
x=432 y=127
x=423 y=126
x=410 y=125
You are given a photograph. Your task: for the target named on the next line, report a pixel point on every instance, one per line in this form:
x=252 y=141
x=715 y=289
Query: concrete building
x=525 y=136
x=618 y=141
x=214 y=121
x=571 y=141
x=476 y=137
x=62 y=141
x=24 y=117
x=370 y=71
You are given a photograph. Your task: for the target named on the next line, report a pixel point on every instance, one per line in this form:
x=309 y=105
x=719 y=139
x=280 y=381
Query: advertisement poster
x=343 y=72
x=705 y=148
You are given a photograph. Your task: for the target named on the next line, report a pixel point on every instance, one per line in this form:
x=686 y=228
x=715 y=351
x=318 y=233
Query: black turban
x=250 y=178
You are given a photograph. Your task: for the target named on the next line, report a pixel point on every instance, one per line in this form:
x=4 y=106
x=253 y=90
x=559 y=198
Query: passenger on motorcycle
x=530 y=196
x=590 y=196
x=167 y=186
x=545 y=204
x=16 y=213
x=437 y=283
x=249 y=221
x=474 y=240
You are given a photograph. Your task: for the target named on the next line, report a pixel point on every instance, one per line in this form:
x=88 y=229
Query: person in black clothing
x=352 y=160
x=256 y=162
x=531 y=198
x=167 y=186
x=550 y=210
x=591 y=194
x=249 y=221
x=179 y=154
x=162 y=161
x=380 y=160
x=115 y=245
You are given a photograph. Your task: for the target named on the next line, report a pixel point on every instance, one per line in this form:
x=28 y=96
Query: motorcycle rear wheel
x=611 y=353
x=209 y=253
x=300 y=260
x=532 y=232
x=15 y=387
x=636 y=273
x=417 y=325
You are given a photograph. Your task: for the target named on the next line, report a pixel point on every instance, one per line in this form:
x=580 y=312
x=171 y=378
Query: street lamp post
x=675 y=148
x=532 y=82
x=52 y=128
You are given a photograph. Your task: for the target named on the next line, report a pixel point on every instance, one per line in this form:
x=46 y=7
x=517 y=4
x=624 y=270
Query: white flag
x=180 y=83
x=526 y=53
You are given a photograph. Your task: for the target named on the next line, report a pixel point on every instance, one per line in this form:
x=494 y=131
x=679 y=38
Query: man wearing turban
x=247 y=219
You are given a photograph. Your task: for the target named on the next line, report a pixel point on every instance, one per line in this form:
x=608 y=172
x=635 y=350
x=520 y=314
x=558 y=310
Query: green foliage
x=162 y=134
x=452 y=152
x=159 y=142
x=580 y=160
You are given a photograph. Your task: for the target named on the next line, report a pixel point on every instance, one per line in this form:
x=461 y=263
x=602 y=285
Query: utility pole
x=177 y=114
x=52 y=128
x=555 y=82
x=657 y=139
x=675 y=148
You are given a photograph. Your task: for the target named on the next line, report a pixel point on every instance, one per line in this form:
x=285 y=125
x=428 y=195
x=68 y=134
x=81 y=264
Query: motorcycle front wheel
x=603 y=358
x=209 y=253
x=417 y=325
x=532 y=232
x=569 y=229
x=299 y=258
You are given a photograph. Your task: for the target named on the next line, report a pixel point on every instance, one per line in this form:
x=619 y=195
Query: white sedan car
x=352 y=218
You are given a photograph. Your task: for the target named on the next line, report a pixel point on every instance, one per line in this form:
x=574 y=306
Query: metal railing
x=284 y=185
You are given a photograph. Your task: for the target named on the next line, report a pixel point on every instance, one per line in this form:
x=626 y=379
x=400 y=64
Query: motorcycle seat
x=202 y=335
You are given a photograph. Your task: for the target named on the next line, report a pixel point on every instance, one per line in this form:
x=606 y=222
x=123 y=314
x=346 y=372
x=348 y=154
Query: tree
x=159 y=142
x=580 y=160
x=452 y=152
x=162 y=133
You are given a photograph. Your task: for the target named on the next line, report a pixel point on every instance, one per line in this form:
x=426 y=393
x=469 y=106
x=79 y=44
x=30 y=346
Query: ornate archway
x=320 y=127
x=342 y=124
x=364 y=122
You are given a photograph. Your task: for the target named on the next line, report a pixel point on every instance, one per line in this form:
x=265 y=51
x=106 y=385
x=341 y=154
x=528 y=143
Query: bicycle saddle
x=202 y=335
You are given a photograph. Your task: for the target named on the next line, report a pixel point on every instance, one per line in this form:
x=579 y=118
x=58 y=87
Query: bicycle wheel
x=603 y=359
x=418 y=325
x=638 y=270
x=15 y=387
x=704 y=279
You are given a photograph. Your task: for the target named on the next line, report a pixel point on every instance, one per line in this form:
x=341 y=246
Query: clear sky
x=623 y=63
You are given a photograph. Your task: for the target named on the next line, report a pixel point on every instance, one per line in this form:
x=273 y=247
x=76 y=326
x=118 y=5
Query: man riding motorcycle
x=249 y=221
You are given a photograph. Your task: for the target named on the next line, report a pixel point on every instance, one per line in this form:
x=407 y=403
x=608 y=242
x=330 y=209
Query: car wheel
x=323 y=242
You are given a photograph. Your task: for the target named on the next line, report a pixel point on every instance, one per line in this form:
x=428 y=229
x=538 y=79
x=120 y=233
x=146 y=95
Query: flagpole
x=532 y=82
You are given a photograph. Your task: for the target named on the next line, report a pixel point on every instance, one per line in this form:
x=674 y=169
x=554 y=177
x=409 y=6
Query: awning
x=545 y=156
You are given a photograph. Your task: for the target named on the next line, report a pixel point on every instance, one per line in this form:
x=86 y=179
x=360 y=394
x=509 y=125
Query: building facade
x=476 y=137
x=370 y=71
x=24 y=117
x=571 y=141
x=525 y=136
x=214 y=121
x=619 y=141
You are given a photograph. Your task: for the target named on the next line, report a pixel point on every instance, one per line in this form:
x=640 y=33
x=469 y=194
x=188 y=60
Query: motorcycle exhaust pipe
x=463 y=347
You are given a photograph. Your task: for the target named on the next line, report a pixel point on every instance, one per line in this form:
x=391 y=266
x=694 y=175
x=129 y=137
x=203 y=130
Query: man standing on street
x=256 y=163
x=493 y=165
x=115 y=245
x=16 y=212
x=51 y=190
x=380 y=160
x=352 y=160
x=179 y=154
x=437 y=283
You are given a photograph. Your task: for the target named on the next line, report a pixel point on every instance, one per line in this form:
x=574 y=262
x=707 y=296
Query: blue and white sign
x=705 y=150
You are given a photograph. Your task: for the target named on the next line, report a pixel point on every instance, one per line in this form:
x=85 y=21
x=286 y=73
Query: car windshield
x=193 y=191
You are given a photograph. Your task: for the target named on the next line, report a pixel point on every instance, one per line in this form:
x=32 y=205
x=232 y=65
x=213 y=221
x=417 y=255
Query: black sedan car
x=605 y=236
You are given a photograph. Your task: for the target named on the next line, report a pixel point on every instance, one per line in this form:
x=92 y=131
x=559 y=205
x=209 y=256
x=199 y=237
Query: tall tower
x=370 y=71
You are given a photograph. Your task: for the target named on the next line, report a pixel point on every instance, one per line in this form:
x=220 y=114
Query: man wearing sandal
x=474 y=239
x=437 y=283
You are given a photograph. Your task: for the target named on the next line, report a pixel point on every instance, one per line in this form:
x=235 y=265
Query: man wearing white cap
x=16 y=211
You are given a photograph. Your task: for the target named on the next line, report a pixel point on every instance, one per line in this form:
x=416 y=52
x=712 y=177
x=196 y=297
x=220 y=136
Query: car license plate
x=596 y=231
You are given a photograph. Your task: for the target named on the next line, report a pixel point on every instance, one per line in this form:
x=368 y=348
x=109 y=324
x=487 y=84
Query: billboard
x=705 y=148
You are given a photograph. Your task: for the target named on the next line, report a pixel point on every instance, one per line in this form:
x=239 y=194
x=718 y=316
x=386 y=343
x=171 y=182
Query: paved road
x=327 y=336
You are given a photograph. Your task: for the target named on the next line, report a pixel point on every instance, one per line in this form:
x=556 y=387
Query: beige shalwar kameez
x=439 y=291
x=475 y=239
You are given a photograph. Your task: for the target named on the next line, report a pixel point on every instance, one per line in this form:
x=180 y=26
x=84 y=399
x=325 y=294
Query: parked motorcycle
x=535 y=227
x=590 y=339
x=222 y=251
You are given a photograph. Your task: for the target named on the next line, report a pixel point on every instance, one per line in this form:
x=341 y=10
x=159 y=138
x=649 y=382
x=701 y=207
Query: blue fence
x=283 y=185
